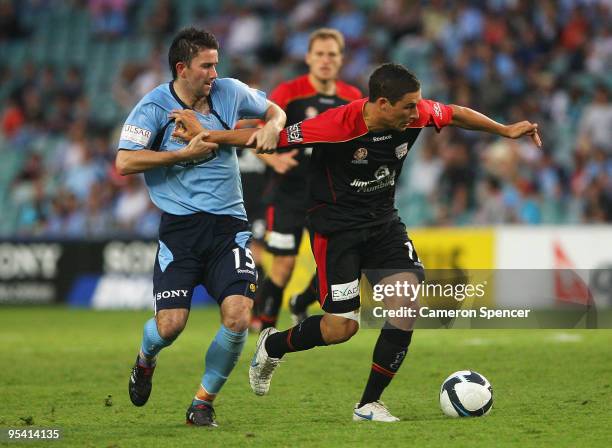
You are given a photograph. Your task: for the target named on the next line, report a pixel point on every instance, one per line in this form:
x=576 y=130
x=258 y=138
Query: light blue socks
x=221 y=357
x=152 y=342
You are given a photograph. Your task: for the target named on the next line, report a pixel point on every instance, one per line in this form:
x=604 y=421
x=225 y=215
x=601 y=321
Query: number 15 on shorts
x=246 y=258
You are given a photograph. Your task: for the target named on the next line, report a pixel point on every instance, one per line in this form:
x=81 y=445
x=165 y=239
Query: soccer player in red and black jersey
x=359 y=150
x=286 y=194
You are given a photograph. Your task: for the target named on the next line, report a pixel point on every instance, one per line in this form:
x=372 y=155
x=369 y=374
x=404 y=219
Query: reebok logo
x=171 y=294
x=382 y=138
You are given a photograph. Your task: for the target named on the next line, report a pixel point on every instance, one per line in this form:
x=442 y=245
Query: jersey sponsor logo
x=294 y=133
x=359 y=156
x=437 y=110
x=311 y=112
x=401 y=150
x=381 y=138
x=383 y=178
x=345 y=291
x=171 y=294
x=280 y=240
x=135 y=134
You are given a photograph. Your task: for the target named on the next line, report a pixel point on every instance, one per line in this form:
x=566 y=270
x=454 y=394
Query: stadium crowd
x=548 y=61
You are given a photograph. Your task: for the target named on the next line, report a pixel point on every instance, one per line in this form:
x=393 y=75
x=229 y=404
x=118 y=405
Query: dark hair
x=186 y=45
x=392 y=81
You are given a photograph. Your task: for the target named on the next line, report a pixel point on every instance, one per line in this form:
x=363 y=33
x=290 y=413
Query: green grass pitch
x=58 y=367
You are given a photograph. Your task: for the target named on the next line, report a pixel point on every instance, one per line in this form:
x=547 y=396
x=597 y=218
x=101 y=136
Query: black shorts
x=342 y=255
x=284 y=229
x=202 y=248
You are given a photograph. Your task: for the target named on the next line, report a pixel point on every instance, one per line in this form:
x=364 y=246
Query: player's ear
x=180 y=67
x=382 y=103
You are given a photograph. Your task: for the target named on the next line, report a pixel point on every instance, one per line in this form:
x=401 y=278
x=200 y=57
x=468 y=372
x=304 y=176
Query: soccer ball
x=466 y=394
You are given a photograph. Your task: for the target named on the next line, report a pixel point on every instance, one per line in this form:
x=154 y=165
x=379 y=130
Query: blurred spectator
x=99 y=218
x=599 y=58
x=72 y=87
x=491 y=210
x=162 y=20
x=425 y=172
x=124 y=88
x=66 y=219
x=132 y=203
x=596 y=122
x=245 y=32
x=79 y=178
x=456 y=184
x=10 y=26
x=349 y=20
x=109 y=17
x=12 y=118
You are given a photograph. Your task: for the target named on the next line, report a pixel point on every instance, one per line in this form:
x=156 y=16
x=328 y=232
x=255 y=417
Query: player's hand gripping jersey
x=353 y=171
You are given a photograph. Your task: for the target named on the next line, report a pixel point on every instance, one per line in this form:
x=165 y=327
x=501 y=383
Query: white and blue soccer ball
x=466 y=394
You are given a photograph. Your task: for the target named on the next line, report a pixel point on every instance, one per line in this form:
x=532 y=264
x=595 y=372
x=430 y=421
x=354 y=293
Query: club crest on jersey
x=359 y=156
x=311 y=112
x=401 y=150
x=294 y=133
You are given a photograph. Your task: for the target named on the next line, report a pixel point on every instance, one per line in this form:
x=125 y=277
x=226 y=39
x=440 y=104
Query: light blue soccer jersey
x=212 y=184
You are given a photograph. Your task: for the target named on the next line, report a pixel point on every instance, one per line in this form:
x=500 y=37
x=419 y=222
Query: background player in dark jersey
x=353 y=221
x=286 y=194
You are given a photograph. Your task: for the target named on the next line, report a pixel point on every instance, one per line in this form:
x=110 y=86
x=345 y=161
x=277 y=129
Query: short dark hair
x=186 y=45
x=392 y=81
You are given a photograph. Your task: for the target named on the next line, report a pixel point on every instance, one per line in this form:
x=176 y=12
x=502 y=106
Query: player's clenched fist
x=198 y=148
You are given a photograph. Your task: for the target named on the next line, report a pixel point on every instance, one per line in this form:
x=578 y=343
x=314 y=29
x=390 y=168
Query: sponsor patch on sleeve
x=294 y=133
x=437 y=110
x=135 y=134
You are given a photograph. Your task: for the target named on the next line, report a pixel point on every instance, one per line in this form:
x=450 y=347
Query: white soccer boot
x=262 y=366
x=375 y=412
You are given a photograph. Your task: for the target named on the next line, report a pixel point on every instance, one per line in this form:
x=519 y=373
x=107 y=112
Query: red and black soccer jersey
x=299 y=99
x=353 y=171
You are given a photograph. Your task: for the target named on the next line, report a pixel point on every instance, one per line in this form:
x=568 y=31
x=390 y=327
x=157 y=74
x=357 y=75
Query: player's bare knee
x=236 y=313
x=170 y=323
x=338 y=329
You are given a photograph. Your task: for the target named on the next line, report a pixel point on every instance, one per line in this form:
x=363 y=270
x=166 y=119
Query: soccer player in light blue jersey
x=203 y=234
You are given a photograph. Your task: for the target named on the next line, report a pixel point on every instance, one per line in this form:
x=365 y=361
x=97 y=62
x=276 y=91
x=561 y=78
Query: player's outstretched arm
x=188 y=126
x=467 y=118
x=137 y=161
